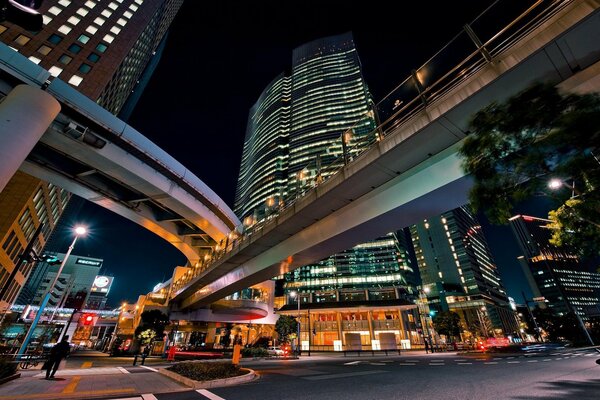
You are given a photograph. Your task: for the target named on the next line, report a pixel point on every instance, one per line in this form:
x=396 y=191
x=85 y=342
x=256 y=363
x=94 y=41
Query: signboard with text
x=102 y=284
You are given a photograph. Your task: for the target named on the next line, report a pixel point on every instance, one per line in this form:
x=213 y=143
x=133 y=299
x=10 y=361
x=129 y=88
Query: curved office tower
x=263 y=171
x=298 y=121
x=329 y=96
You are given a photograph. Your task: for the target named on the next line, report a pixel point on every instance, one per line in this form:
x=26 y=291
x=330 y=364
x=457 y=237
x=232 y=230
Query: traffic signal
x=51 y=260
x=22 y=13
x=88 y=319
x=432 y=313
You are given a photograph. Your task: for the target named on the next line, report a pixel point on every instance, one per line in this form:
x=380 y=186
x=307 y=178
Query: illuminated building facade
x=459 y=274
x=555 y=275
x=25 y=203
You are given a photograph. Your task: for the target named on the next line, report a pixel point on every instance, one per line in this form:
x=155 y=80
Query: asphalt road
x=568 y=375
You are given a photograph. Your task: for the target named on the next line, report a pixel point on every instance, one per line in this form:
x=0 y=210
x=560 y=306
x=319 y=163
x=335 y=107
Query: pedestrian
x=426 y=346
x=57 y=353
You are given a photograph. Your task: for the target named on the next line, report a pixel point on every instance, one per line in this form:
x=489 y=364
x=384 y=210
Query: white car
x=275 y=351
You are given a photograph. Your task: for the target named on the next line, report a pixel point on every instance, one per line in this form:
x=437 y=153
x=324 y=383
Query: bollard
x=235 y=359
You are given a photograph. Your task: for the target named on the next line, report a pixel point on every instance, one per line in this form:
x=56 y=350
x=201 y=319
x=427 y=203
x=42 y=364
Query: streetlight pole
x=78 y=232
x=297 y=295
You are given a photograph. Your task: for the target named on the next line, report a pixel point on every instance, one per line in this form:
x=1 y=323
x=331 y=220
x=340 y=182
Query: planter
x=236 y=380
x=9 y=378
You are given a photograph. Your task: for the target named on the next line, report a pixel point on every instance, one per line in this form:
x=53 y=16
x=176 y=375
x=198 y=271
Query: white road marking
x=208 y=394
x=376 y=363
x=149 y=396
x=465 y=363
x=514 y=362
x=491 y=362
x=546 y=359
x=437 y=364
x=532 y=361
x=123 y=370
x=345 y=375
x=150 y=368
x=353 y=363
x=407 y=364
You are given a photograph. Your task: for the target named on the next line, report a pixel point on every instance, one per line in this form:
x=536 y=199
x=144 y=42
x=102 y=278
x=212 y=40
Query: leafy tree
x=285 y=326
x=447 y=323
x=516 y=147
x=152 y=324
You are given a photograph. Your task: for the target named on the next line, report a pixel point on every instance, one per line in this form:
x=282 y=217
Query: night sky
x=218 y=59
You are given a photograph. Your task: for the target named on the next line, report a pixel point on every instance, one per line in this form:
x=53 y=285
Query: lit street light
x=79 y=231
x=297 y=296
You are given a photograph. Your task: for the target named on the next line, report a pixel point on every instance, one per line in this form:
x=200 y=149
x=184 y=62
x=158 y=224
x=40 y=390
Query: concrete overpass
x=51 y=131
x=413 y=171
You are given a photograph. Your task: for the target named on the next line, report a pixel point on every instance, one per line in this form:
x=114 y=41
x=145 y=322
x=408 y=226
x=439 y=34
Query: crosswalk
x=200 y=394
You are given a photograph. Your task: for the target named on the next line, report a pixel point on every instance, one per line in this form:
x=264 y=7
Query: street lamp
x=79 y=231
x=297 y=296
x=556 y=184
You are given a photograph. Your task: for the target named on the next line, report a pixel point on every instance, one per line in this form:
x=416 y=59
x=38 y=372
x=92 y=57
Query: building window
x=90 y=4
x=75 y=80
x=85 y=68
x=46 y=19
x=106 y=13
x=91 y=29
x=83 y=38
x=99 y=21
x=55 y=71
x=22 y=40
x=64 y=3
x=2 y=29
x=65 y=29
x=122 y=21
x=93 y=57
x=73 y=20
x=65 y=59
x=74 y=48
x=45 y=50
x=133 y=7
x=54 y=10
x=82 y=11
x=108 y=38
x=54 y=38
x=115 y=29
x=101 y=47
x=35 y=59
x=127 y=14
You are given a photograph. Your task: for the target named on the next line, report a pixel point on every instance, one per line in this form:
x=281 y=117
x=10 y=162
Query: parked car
x=276 y=351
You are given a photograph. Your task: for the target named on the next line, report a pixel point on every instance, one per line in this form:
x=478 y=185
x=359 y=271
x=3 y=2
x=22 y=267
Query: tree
x=152 y=324
x=516 y=147
x=285 y=326
x=447 y=323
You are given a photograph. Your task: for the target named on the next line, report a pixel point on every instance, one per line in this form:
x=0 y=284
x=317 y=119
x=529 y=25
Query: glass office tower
x=458 y=271
x=556 y=276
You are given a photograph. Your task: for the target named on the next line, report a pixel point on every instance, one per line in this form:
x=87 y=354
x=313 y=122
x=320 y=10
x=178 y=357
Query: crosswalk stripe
x=149 y=396
x=150 y=368
x=123 y=370
x=208 y=394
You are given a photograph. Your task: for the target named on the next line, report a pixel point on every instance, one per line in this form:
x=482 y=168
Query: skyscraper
x=302 y=122
x=458 y=271
x=555 y=274
x=102 y=48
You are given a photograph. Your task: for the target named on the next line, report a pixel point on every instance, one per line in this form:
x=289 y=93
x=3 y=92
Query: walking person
x=426 y=346
x=57 y=353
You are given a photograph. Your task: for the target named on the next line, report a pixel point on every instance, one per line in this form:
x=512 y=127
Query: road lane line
x=546 y=359
x=491 y=362
x=70 y=388
x=344 y=375
x=532 y=361
x=407 y=364
x=123 y=370
x=513 y=362
x=149 y=396
x=208 y=394
x=150 y=368
x=465 y=363
x=87 y=364
x=353 y=363
x=437 y=364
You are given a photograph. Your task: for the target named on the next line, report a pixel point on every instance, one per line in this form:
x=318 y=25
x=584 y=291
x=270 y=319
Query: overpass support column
x=25 y=114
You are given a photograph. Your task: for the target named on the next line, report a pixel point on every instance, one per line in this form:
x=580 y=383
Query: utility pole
x=537 y=329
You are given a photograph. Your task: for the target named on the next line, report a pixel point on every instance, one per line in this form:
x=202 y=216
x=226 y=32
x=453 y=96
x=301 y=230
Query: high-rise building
x=557 y=278
x=104 y=49
x=459 y=274
x=25 y=203
x=74 y=284
x=300 y=124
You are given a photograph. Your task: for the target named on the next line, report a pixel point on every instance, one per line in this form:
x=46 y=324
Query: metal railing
x=489 y=35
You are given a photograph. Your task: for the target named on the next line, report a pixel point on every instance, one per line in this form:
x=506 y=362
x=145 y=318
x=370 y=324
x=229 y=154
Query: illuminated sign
x=102 y=284
x=85 y=261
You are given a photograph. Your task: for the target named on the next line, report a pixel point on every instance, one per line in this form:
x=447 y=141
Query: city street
x=569 y=374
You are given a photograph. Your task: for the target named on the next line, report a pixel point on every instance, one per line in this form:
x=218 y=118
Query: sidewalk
x=88 y=383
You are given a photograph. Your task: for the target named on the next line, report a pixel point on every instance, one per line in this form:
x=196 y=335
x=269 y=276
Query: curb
x=236 y=380
x=10 y=378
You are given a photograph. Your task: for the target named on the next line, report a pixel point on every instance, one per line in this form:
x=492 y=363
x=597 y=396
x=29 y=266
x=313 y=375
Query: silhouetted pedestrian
x=426 y=346
x=57 y=353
